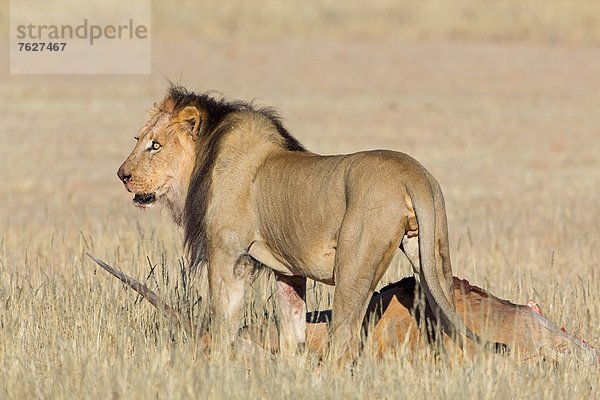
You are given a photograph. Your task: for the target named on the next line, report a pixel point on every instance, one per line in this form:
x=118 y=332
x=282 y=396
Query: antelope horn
x=247 y=347
x=169 y=312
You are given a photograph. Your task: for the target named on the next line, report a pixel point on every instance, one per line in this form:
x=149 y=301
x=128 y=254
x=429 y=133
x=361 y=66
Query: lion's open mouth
x=144 y=199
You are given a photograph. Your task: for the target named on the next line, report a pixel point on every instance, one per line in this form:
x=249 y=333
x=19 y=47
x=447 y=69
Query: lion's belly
x=316 y=264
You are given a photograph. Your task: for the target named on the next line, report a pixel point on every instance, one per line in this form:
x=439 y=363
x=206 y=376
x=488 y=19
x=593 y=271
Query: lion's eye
x=155 y=146
x=136 y=138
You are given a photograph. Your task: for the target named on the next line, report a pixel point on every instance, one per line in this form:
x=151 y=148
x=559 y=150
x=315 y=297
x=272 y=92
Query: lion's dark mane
x=213 y=130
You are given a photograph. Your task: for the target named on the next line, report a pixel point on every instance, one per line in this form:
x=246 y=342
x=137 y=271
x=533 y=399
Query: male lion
x=248 y=194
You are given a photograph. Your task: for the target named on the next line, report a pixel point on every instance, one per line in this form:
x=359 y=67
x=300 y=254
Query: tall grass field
x=498 y=99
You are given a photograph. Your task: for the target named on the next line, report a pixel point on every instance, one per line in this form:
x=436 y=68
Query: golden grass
x=509 y=129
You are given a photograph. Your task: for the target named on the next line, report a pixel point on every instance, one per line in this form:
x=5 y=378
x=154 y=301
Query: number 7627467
x=41 y=46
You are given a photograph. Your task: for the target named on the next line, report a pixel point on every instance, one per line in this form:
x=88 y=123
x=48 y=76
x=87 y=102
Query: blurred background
x=499 y=99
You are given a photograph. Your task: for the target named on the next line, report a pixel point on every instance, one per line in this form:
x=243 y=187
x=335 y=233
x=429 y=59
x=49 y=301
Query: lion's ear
x=191 y=115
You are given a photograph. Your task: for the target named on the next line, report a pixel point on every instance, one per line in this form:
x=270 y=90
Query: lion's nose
x=123 y=175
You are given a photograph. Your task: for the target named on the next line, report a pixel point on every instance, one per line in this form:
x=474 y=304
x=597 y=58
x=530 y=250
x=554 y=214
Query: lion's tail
x=435 y=260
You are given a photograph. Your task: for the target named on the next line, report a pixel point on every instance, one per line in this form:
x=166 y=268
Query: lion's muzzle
x=123 y=174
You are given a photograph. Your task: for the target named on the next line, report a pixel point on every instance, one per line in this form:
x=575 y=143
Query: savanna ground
x=500 y=101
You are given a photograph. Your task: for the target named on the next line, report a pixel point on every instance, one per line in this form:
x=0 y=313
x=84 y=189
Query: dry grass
x=509 y=129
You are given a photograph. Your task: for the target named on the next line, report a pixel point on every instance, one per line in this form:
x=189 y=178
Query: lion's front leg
x=227 y=297
x=291 y=295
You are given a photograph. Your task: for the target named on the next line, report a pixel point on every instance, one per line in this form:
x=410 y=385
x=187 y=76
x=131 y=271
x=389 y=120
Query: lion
x=249 y=195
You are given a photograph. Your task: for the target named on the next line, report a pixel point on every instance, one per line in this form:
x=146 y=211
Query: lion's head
x=162 y=161
x=177 y=147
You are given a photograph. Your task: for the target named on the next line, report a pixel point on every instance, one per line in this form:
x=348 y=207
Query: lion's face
x=161 y=163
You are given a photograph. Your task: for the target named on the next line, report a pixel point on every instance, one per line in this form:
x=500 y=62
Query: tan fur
x=334 y=219
x=167 y=171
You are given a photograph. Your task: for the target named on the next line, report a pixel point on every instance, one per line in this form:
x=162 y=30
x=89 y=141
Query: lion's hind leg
x=362 y=257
